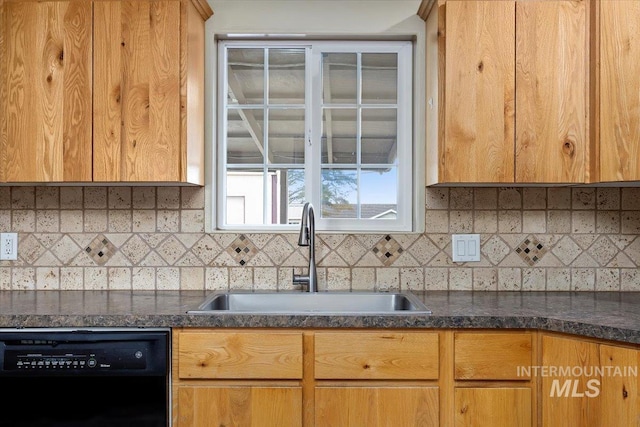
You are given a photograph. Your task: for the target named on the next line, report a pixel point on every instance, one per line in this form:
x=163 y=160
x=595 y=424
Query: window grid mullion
x=358 y=132
x=265 y=141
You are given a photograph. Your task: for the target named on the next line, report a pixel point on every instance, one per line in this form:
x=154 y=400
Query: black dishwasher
x=85 y=377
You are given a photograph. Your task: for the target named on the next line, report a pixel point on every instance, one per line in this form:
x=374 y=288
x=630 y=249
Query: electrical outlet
x=9 y=246
x=465 y=247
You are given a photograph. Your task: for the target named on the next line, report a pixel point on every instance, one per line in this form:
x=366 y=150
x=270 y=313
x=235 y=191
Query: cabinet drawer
x=376 y=355
x=491 y=356
x=235 y=355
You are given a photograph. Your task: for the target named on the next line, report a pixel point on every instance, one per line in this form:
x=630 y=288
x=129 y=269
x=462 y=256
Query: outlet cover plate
x=465 y=247
x=8 y=246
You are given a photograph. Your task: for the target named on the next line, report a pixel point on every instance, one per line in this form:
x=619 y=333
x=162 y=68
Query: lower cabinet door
x=376 y=406
x=241 y=406
x=491 y=407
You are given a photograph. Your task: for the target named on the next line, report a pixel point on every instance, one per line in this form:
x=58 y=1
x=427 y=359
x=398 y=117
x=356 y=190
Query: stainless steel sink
x=342 y=303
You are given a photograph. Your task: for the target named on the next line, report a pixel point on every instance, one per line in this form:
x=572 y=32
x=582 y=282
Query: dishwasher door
x=85 y=377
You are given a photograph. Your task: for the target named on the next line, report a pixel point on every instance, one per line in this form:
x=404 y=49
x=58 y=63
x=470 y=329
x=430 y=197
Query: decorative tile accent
x=100 y=250
x=387 y=250
x=531 y=250
x=242 y=249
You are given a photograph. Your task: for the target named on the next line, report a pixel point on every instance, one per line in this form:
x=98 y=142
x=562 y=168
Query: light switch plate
x=465 y=247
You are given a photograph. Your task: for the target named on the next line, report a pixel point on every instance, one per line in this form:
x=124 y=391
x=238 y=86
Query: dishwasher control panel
x=52 y=360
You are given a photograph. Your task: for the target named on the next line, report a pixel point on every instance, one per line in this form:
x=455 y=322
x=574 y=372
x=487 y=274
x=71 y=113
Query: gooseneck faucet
x=308 y=238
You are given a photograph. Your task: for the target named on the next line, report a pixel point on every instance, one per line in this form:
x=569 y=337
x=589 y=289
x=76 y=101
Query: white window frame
x=313 y=126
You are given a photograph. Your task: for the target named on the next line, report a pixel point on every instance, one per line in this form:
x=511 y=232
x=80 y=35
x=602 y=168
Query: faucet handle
x=300 y=279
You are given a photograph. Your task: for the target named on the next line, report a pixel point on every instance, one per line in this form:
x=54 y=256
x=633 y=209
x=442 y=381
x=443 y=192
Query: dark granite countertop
x=606 y=315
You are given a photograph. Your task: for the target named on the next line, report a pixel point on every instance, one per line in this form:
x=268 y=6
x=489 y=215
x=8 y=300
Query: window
x=325 y=122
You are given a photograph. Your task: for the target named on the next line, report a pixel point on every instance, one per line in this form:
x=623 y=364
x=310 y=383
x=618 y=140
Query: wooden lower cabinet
x=620 y=399
x=490 y=407
x=376 y=406
x=252 y=406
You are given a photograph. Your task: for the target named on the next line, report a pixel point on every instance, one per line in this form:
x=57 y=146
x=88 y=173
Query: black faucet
x=308 y=238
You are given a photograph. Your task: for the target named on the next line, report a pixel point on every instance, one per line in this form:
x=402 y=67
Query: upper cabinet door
x=552 y=91
x=46 y=71
x=619 y=93
x=137 y=115
x=479 y=91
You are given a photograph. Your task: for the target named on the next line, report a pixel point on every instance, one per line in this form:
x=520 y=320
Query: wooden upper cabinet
x=479 y=91
x=619 y=94
x=512 y=91
x=45 y=91
x=104 y=91
x=552 y=91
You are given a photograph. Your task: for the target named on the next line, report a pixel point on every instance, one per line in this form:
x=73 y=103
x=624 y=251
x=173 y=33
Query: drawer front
x=491 y=356
x=236 y=355
x=376 y=355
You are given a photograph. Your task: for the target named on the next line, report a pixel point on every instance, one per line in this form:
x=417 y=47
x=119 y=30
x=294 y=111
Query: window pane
x=286 y=76
x=379 y=193
x=245 y=136
x=339 y=78
x=245 y=196
x=339 y=135
x=339 y=193
x=379 y=135
x=286 y=136
x=379 y=78
x=245 y=69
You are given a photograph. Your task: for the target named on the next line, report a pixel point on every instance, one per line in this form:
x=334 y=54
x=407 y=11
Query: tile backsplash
x=153 y=238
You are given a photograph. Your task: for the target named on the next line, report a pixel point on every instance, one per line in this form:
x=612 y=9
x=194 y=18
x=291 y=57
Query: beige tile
x=71 y=221
x=192 y=278
x=461 y=198
x=631 y=198
x=240 y=278
x=193 y=197
x=608 y=222
x=412 y=279
x=485 y=221
x=363 y=279
x=460 y=279
x=48 y=221
x=460 y=221
x=71 y=278
x=119 y=221
x=485 y=279
x=171 y=250
x=143 y=278
x=558 y=198
x=144 y=221
x=95 y=220
x=566 y=250
x=168 y=197
x=630 y=279
x=265 y=278
x=510 y=221
x=583 y=221
x=510 y=198
x=95 y=278
x=559 y=221
x=143 y=197
x=192 y=221
x=509 y=279
x=437 y=221
x=387 y=279
x=23 y=279
x=436 y=198
x=23 y=197
x=47 y=278
x=95 y=197
x=583 y=198
x=5 y=197
x=119 y=278
x=533 y=279
x=168 y=279
x=436 y=279
x=583 y=279
x=534 y=222
x=71 y=197
x=338 y=279
x=631 y=222
x=47 y=197
x=558 y=279
x=5 y=278
x=534 y=198
x=66 y=250
x=168 y=221
x=23 y=221
x=119 y=198
x=5 y=220
x=217 y=278
x=607 y=279
x=485 y=198
x=285 y=278
x=608 y=198
x=495 y=250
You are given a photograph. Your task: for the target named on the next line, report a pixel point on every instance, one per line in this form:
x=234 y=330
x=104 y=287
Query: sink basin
x=343 y=303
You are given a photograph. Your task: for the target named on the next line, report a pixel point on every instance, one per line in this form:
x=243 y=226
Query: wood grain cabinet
x=381 y=378
x=237 y=378
x=102 y=91
x=599 y=389
x=619 y=48
x=490 y=388
x=508 y=91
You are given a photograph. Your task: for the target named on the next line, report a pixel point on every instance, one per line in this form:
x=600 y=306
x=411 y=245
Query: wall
x=153 y=238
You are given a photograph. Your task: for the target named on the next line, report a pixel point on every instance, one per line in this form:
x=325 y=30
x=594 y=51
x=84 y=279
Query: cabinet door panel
x=137 y=116
x=619 y=94
x=491 y=356
x=376 y=406
x=491 y=407
x=552 y=91
x=619 y=391
x=244 y=406
x=479 y=91
x=46 y=79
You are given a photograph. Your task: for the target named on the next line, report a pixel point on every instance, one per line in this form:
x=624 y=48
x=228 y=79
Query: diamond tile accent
x=387 y=250
x=242 y=249
x=100 y=250
x=531 y=250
